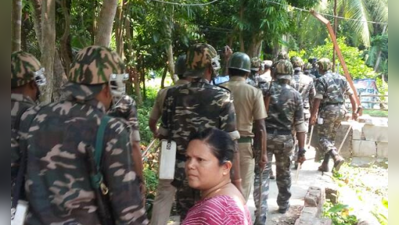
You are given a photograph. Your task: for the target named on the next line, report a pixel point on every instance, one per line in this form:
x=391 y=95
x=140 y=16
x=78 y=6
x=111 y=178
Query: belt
x=278 y=132
x=245 y=140
x=333 y=103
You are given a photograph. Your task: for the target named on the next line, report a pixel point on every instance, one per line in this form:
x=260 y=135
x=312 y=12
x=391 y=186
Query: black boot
x=324 y=165
x=338 y=160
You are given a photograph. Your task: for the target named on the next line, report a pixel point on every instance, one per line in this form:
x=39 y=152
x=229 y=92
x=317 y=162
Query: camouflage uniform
x=58 y=184
x=166 y=192
x=331 y=88
x=305 y=86
x=193 y=107
x=125 y=107
x=307 y=69
x=24 y=66
x=285 y=115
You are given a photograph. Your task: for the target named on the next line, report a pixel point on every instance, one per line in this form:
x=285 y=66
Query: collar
x=180 y=82
x=92 y=102
x=237 y=78
x=201 y=80
x=21 y=98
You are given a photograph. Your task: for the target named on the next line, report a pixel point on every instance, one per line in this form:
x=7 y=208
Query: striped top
x=218 y=210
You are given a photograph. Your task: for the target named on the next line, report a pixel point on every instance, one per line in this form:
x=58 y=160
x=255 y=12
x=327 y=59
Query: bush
x=353 y=58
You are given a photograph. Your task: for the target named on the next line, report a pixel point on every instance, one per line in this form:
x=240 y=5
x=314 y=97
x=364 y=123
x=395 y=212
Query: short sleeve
x=320 y=89
x=259 y=110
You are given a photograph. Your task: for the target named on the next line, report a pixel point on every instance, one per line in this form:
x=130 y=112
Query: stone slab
x=357 y=133
x=382 y=150
x=363 y=148
x=362 y=161
x=375 y=133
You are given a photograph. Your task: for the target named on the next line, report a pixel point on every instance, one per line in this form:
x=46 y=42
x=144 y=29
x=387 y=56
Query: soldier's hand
x=313 y=120
x=355 y=116
x=301 y=159
x=263 y=162
x=301 y=156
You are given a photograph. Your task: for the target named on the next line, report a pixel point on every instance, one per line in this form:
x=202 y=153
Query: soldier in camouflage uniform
x=314 y=71
x=57 y=136
x=166 y=191
x=331 y=89
x=193 y=107
x=124 y=107
x=26 y=77
x=304 y=85
x=307 y=68
x=285 y=116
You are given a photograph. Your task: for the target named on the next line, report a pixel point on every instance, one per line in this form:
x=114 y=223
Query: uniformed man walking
x=166 y=191
x=285 y=116
x=195 y=106
x=60 y=137
x=331 y=90
x=251 y=112
x=305 y=86
x=26 y=76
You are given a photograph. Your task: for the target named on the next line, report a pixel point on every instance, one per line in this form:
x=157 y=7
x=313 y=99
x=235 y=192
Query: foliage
x=339 y=214
x=352 y=55
x=370 y=185
x=375 y=113
x=143 y=114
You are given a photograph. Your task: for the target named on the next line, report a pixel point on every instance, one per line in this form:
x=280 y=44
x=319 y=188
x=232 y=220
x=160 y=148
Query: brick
x=382 y=150
x=376 y=133
x=364 y=148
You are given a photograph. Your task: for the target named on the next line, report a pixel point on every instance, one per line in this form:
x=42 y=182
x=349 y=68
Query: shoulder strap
x=100 y=140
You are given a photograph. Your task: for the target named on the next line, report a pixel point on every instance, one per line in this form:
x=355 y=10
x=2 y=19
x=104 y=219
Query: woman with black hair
x=209 y=161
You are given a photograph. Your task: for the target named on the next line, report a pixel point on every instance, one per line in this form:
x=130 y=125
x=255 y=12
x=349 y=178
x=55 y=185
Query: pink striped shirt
x=218 y=210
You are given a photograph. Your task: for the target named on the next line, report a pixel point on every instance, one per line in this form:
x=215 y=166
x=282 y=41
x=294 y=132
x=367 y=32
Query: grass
x=375 y=113
x=361 y=189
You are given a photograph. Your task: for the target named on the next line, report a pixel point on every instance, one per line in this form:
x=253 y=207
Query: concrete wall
x=367 y=141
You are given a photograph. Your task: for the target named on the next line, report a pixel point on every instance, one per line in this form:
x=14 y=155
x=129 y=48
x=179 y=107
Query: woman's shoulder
x=221 y=209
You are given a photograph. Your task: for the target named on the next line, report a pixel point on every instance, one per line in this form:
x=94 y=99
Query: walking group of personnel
x=78 y=160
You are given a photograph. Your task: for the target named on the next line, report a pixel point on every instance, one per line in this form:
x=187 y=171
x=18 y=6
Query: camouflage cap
x=255 y=64
x=324 y=64
x=92 y=67
x=199 y=57
x=296 y=61
x=180 y=65
x=307 y=67
x=283 y=69
x=283 y=55
x=23 y=68
x=240 y=61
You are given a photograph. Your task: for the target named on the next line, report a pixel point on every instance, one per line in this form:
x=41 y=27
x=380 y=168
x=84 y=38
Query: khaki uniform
x=166 y=191
x=249 y=105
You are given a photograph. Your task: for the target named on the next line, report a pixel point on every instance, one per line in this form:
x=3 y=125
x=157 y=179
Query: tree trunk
x=105 y=22
x=37 y=20
x=119 y=29
x=48 y=50
x=165 y=71
x=59 y=78
x=16 y=25
x=65 y=46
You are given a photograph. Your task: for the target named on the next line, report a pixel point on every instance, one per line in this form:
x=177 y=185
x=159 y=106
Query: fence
x=372 y=101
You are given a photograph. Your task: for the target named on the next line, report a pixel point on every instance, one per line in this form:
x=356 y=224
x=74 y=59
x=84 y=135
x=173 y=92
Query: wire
x=193 y=4
x=329 y=15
